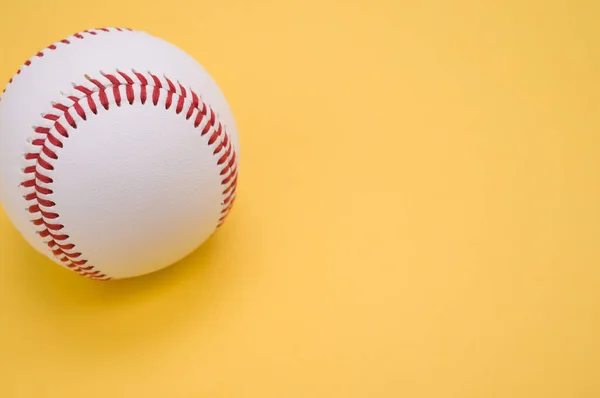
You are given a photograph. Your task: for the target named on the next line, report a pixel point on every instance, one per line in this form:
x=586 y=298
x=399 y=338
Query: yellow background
x=418 y=211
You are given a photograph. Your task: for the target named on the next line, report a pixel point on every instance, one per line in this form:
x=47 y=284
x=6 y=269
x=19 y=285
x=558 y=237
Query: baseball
x=119 y=153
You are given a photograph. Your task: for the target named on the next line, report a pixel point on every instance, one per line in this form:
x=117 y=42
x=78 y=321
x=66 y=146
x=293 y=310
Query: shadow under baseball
x=115 y=317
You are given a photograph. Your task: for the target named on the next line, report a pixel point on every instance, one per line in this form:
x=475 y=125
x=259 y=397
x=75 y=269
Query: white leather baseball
x=118 y=153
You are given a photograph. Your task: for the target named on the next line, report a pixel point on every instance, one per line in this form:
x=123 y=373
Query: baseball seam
x=98 y=94
x=55 y=46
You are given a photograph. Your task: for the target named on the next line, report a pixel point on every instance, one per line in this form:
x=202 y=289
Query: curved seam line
x=55 y=46
x=63 y=122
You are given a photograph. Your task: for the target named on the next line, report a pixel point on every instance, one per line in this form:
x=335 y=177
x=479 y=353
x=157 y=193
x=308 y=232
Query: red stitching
x=55 y=46
x=62 y=121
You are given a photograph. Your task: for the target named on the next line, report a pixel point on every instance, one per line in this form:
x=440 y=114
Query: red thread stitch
x=63 y=121
x=57 y=45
